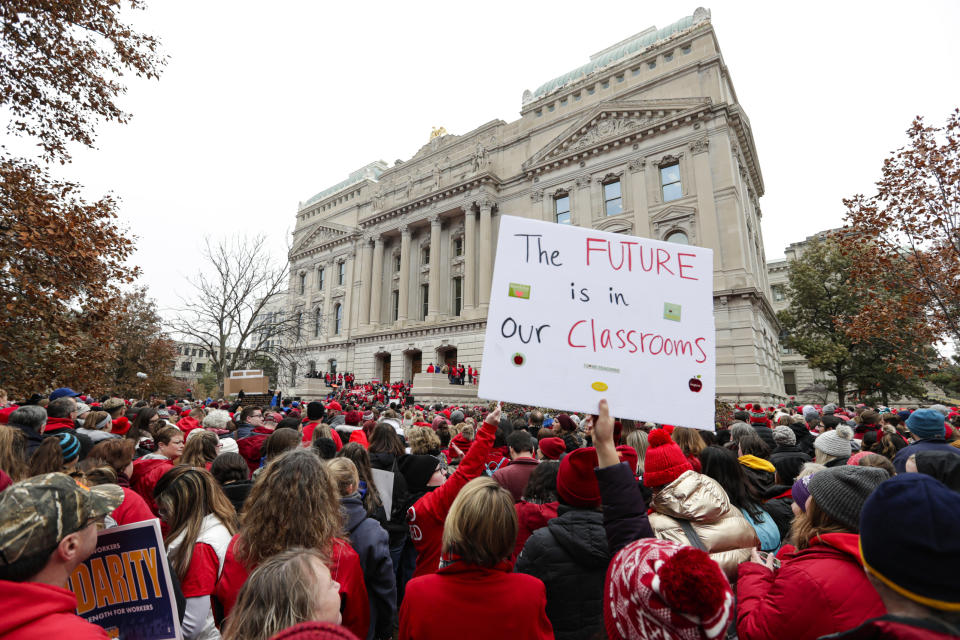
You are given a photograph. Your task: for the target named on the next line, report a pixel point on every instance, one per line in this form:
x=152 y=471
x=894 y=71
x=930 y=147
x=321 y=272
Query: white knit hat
x=835 y=443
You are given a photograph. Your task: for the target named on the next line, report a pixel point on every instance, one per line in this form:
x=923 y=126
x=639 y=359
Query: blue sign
x=125 y=586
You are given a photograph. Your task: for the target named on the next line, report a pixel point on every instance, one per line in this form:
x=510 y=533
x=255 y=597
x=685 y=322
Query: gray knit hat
x=784 y=436
x=836 y=442
x=829 y=409
x=841 y=491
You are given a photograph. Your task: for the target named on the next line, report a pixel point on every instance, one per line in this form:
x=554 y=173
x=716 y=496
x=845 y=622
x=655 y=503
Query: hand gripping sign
x=578 y=314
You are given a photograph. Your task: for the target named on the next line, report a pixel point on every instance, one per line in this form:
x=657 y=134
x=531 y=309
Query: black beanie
x=315 y=411
x=417 y=470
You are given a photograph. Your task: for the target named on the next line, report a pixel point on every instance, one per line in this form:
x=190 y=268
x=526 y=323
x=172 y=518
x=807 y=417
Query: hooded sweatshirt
x=35 y=611
x=371 y=543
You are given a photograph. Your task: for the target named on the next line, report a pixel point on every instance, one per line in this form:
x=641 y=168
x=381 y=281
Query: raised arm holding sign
x=578 y=314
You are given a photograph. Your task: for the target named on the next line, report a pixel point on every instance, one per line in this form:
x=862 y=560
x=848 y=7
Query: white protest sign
x=577 y=315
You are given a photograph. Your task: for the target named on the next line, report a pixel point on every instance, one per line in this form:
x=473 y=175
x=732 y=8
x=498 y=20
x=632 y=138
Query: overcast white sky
x=264 y=104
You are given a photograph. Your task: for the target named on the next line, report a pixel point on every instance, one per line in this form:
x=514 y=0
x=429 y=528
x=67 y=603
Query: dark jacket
x=804 y=437
x=33 y=439
x=396 y=526
x=570 y=555
x=788 y=459
x=933 y=444
x=370 y=541
x=514 y=476
x=66 y=425
x=766 y=434
x=244 y=429
x=624 y=508
x=898 y=628
x=778 y=502
x=237 y=493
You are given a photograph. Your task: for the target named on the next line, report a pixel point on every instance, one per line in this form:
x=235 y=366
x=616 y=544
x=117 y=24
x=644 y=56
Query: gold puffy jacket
x=698 y=498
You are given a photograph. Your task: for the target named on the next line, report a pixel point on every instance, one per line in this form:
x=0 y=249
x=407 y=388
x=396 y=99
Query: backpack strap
x=692 y=536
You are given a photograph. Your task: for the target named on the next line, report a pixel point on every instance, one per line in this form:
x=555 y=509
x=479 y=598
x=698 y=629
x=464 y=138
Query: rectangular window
x=457 y=296
x=395 y=305
x=790 y=382
x=396 y=263
x=341 y=272
x=561 y=206
x=426 y=255
x=458 y=247
x=199 y=367
x=670 y=182
x=778 y=293
x=424 y=300
x=185 y=366
x=612 y=201
x=303 y=283
x=320 y=279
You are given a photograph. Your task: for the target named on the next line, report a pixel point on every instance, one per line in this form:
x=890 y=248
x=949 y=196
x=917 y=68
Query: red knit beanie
x=121 y=425
x=661 y=589
x=552 y=448
x=629 y=455
x=576 y=481
x=664 y=461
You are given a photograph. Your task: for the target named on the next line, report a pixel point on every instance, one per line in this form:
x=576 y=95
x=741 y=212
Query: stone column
x=706 y=206
x=349 y=317
x=469 y=260
x=638 y=195
x=404 y=288
x=433 y=301
x=486 y=252
x=376 y=285
x=328 y=276
x=366 y=278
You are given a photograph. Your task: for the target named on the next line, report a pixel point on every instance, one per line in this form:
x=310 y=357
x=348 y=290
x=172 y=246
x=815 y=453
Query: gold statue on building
x=436 y=133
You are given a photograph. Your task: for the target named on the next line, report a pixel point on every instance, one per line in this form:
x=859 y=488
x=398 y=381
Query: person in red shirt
x=425 y=518
x=199 y=524
x=295 y=503
x=475 y=577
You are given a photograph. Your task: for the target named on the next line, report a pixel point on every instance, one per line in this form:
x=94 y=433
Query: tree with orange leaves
x=912 y=228
x=62 y=258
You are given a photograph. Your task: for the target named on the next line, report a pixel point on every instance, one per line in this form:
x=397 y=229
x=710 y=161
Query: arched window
x=678 y=237
x=338 y=319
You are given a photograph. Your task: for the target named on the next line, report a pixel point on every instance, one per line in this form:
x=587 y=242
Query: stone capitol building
x=391 y=268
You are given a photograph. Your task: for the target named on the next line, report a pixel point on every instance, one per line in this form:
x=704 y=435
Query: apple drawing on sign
x=695 y=384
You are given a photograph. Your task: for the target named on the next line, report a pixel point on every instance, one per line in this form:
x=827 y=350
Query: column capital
x=434 y=219
x=467 y=206
x=486 y=202
x=404 y=230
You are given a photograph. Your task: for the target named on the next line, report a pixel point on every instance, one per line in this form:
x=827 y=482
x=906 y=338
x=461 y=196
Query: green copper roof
x=641 y=42
x=370 y=172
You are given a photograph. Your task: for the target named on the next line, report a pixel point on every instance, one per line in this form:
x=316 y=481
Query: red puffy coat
x=427 y=515
x=146 y=474
x=33 y=610
x=530 y=517
x=344 y=567
x=475 y=603
x=819 y=590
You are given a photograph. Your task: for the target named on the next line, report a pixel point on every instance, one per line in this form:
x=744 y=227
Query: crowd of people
x=369 y=516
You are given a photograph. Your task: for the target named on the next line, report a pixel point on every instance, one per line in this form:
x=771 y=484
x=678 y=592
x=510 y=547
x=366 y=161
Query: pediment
x=673 y=212
x=321 y=233
x=614 y=122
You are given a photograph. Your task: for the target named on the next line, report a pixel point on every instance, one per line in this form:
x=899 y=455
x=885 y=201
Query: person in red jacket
x=822 y=588
x=425 y=518
x=295 y=503
x=50 y=527
x=474 y=591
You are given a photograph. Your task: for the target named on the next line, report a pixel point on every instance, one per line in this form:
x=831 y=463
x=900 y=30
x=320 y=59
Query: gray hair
x=940 y=409
x=30 y=416
x=62 y=407
x=740 y=429
x=216 y=419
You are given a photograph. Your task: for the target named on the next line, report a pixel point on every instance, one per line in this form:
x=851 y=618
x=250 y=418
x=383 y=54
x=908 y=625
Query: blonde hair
x=638 y=440
x=481 y=526
x=280 y=593
x=423 y=440
x=345 y=474
x=13 y=452
x=322 y=430
x=689 y=441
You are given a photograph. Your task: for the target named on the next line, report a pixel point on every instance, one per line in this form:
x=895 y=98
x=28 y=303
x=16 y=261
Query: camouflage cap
x=112 y=403
x=39 y=512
